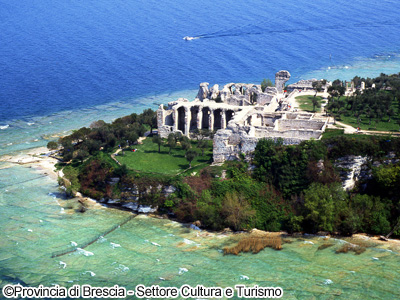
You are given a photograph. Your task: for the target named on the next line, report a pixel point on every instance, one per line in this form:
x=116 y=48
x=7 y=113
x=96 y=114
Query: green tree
x=80 y=154
x=315 y=103
x=190 y=156
x=52 y=145
x=132 y=137
x=321 y=210
x=157 y=140
x=185 y=143
x=317 y=85
x=209 y=211
x=202 y=145
x=340 y=112
x=97 y=124
x=390 y=113
x=236 y=210
x=121 y=170
x=388 y=178
x=201 y=134
x=123 y=144
x=149 y=117
x=178 y=136
x=266 y=83
x=67 y=148
x=171 y=142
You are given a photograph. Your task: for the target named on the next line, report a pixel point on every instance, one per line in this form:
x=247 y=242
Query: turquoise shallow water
x=67 y=64
x=36 y=221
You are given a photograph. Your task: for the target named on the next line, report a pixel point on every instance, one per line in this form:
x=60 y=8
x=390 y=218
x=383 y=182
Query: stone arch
x=229 y=115
x=194 y=111
x=169 y=120
x=205 y=119
x=253 y=97
x=259 y=120
x=181 y=119
x=217 y=119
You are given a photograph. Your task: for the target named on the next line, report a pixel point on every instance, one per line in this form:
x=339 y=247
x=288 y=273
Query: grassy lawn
x=331 y=133
x=376 y=124
x=383 y=125
x=305 y=103
x=147 y=159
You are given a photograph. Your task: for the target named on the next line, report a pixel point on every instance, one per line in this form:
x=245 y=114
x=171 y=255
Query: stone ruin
x=241 y=114
x=280 y=79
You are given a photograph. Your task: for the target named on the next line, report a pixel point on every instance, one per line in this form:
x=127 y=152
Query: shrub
x=52 y=145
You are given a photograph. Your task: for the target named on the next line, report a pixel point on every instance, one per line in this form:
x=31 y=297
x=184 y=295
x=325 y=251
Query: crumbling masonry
x=241 y=114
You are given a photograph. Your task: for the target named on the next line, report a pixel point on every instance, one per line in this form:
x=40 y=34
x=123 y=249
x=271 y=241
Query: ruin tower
x=280 y=79
x=203 y=91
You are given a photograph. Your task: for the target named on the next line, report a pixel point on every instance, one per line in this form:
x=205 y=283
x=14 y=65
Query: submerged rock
x=146 y=209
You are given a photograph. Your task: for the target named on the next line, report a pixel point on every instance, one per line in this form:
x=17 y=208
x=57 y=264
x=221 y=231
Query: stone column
x=223 y=119
x=187 y=121
x=211 y=120
x=175 y=117
x=160 y=116
x=199 y=117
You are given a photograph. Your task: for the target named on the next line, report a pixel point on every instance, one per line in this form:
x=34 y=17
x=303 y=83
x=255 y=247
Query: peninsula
x=251 y=156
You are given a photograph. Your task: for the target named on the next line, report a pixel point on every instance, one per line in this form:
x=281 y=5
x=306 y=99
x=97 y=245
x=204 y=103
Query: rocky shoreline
x=41 y=160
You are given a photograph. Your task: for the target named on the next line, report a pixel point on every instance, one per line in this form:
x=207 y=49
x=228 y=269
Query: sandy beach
x=37 y=158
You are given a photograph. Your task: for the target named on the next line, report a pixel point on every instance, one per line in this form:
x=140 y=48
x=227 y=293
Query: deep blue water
x=58 y=57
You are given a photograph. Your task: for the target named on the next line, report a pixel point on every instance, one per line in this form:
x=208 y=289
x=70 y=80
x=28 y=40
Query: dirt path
x=347 y=128
x=114 y=154
x=140 y=140
x=351 y=130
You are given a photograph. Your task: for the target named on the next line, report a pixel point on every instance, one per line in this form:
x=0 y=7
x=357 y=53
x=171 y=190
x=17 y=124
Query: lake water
x=65 y=64
x=36 y=222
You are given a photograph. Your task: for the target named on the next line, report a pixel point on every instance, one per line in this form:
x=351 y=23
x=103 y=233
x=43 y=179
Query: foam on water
x=63 y=264
x=78 y=63
x=84 y=252
x=114 y=245
x=299 y=269
x=182 y=271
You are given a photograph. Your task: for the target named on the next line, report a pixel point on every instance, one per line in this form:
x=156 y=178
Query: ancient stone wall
x=287 y=124
x=230 y=143
x=241 y=114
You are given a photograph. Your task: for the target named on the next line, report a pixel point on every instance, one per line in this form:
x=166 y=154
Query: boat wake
x=189 y=38
x=260 y=28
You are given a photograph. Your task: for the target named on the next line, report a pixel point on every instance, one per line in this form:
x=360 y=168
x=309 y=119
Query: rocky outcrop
x=350 y=170
x=353 y=169
x=131 y=196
